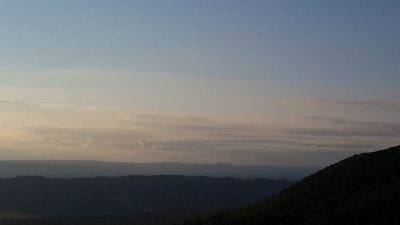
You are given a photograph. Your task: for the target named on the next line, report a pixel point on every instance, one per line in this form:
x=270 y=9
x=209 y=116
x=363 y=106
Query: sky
x=277 y=82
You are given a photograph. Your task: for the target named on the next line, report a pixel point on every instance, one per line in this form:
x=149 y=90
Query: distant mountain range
x=69 y=169
x=363 y=189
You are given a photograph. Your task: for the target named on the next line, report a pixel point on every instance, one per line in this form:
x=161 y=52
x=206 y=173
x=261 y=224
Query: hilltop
x=362 y=189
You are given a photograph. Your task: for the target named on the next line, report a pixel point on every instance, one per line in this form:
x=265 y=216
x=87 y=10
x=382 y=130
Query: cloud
x=350 y=109
x=389 y=131
x=122 y=134
x=380 y=105
x=347 y=127
x=339 y=103
x=8 y=101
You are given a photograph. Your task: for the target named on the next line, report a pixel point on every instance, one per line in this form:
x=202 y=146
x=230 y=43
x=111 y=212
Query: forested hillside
x=42 y=197
x=362 y=189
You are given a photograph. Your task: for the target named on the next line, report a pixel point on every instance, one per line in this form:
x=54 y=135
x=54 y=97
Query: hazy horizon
x=241 y=82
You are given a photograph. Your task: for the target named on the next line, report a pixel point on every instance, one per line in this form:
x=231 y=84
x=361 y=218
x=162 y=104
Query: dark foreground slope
x=363 y=189
x=41 y=197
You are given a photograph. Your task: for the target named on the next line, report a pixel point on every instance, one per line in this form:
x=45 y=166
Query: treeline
x=363 y=189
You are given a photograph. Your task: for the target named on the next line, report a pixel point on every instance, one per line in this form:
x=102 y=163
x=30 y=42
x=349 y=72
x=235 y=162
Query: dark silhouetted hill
x=39 y=196
x=362 y=189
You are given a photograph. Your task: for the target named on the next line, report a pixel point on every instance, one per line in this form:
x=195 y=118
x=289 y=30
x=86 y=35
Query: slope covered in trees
x=362 y=189
x=42 y=197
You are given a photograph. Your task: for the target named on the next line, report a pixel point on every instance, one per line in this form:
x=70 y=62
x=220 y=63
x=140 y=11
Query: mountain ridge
x=41 y=196
x=77 y=168
x=362 y=189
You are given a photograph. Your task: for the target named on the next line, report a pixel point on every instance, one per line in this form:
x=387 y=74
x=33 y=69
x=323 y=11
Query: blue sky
x=249 y=62
x=286 y=41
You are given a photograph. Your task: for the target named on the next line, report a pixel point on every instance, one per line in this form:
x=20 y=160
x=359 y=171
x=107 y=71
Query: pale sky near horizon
x=277 y=82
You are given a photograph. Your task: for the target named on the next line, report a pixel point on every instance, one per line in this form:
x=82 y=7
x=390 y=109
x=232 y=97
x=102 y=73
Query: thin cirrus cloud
x=379 y=111
x=365 y=105
x=122 y=134
x=7 y=101
x=366 y=129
